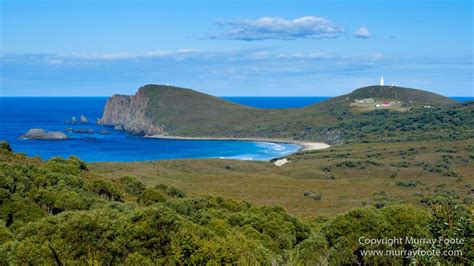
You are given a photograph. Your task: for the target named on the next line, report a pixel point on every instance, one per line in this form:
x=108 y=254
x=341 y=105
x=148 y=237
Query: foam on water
x=271 y=145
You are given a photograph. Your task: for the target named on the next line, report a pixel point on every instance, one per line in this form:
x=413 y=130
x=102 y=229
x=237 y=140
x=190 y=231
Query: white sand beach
x=305 y=146
x=308 y=146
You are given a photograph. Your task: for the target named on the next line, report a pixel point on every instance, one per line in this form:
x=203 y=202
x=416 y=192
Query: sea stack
x=83 y=120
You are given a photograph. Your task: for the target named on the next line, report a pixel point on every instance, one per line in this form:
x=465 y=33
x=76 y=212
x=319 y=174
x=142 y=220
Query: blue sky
x=234 y=48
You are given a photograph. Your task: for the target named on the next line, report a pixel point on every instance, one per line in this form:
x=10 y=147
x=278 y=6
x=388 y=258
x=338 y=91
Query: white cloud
x=362 y=33
x=126 y=55
x=256 y=71
x=191 y=55
x=267 y=28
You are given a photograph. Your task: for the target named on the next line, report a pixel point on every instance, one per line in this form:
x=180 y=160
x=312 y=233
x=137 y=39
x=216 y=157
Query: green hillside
x=185 y=112
x=410 y=97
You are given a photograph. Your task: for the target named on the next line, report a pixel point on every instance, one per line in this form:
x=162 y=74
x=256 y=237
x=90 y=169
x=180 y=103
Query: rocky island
x=38 y=133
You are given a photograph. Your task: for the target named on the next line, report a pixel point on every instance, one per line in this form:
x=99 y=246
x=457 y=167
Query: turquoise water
x=19 y=114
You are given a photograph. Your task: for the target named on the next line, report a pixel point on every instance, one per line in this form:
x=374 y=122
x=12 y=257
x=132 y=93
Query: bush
x=313 y=195
x=131 y=185
x=412 y=183
x=171 y=191
x=312 y=251
x=161 y=187
x=326 y=168
x=5 y=146
x=105 y=189
x=344 y=232
x=150 y=196
x=349 y=164
x=175 y=192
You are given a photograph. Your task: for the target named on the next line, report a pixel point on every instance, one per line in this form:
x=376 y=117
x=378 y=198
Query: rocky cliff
x=129 y=113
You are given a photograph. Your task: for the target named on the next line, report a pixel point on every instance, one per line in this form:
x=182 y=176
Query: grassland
x=344 y=177
x=387 y=157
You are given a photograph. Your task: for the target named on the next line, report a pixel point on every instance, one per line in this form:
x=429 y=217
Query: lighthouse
x=381 y=81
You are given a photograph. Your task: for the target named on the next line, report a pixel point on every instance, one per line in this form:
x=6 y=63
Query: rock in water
x=118 y=127
x=104 y=132
x=83 y=131
x=84 y=120
x=38 y=133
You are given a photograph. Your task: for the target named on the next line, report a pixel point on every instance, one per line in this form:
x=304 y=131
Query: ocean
x=19 y=114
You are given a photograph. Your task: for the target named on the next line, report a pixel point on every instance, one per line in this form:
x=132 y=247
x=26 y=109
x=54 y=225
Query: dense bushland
x=60 y=212
x=421 y=124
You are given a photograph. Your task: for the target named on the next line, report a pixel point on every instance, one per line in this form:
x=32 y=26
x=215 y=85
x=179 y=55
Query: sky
x=234 y=48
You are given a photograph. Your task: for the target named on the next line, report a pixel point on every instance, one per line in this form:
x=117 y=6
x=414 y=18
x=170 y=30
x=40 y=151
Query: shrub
x=349 y=164
x=402 y=164
x=131 y=185
x=175 y=192
x=451 y=174
x=150 y=196
x=312 y=251
x=161 y=187
x=446 y=150
x=313 y=195
x=106 y=189
x=326 y=168
x=412 y=183
x=344 y=231
x=450 y=221
x=5 y=146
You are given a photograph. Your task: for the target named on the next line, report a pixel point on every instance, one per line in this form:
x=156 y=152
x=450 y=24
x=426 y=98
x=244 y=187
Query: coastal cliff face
x=129 y=113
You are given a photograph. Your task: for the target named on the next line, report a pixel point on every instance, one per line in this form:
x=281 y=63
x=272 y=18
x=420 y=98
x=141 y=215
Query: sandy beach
x=305 y=146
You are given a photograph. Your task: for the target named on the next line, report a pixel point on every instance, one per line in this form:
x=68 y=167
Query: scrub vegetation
x=62 y=211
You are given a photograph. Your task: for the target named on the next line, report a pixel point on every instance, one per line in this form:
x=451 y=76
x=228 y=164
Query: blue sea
x=19 y=114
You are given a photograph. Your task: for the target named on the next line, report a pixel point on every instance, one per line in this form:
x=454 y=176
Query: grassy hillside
x=65 y=212
x=410 y=97
x=344 y=177
x=184 y=112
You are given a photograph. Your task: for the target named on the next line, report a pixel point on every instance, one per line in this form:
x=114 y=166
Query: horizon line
x=224 y=96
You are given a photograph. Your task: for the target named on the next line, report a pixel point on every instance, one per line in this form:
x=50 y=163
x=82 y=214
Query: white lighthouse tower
x=381 y=81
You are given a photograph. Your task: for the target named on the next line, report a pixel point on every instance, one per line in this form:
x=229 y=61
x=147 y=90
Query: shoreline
x=304 y=145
